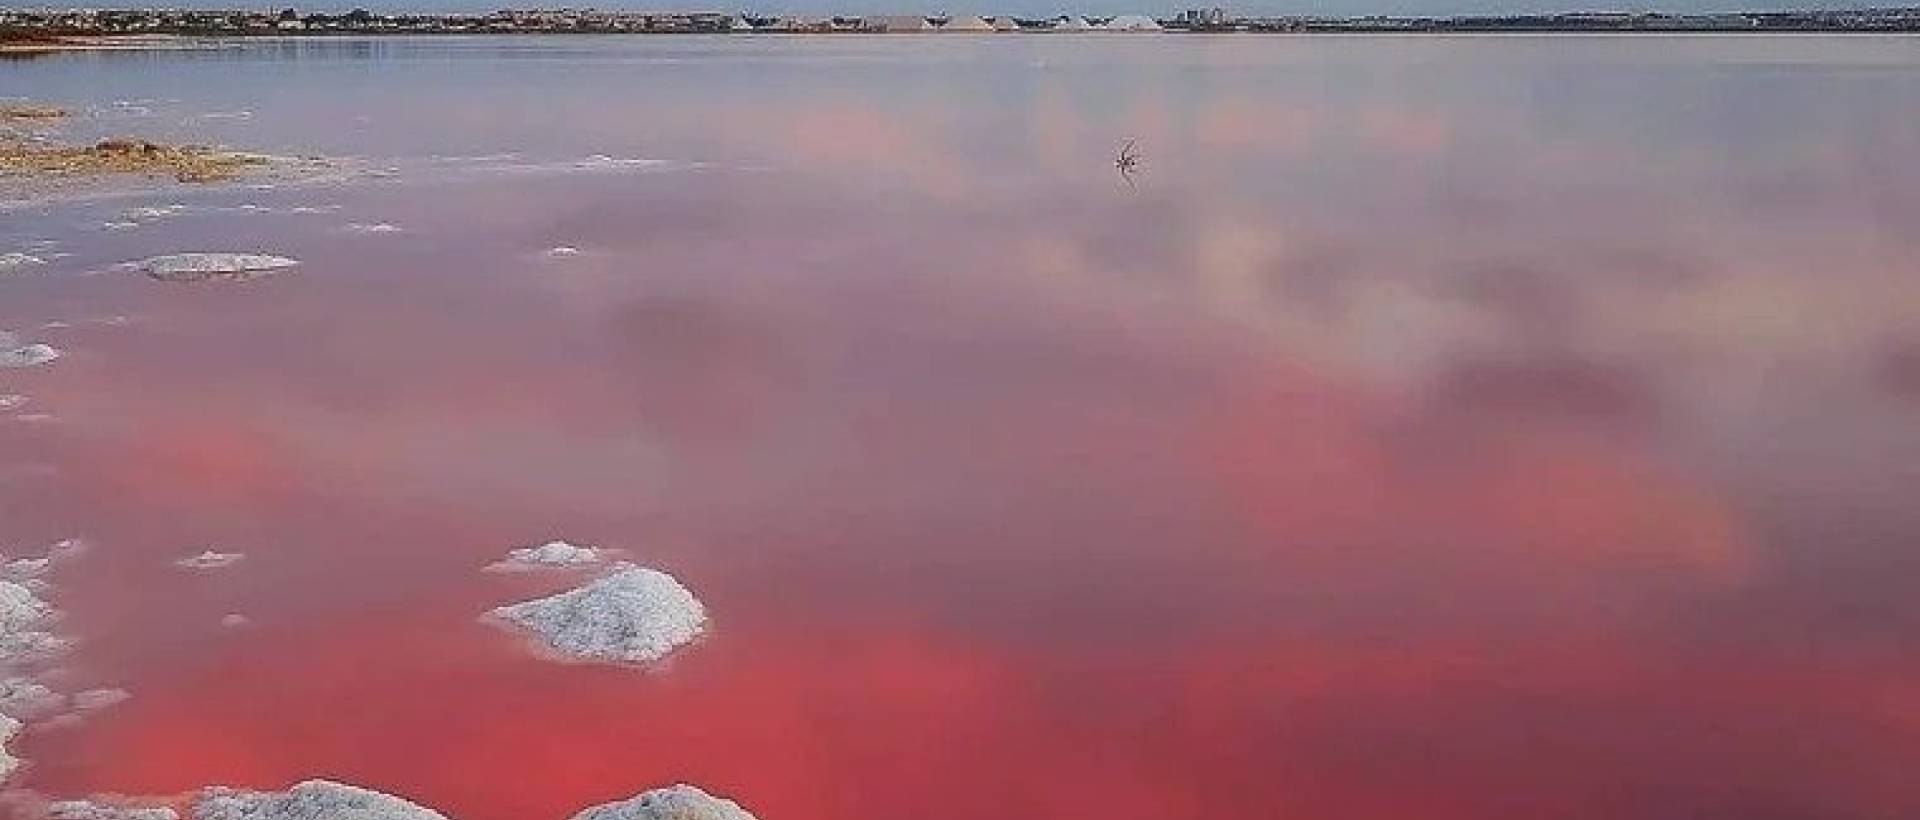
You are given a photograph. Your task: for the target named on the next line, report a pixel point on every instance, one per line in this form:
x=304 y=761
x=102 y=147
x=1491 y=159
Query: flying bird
x=1128 y=162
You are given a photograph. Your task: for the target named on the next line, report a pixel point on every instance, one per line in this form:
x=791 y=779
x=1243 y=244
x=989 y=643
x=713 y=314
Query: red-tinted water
x=1419 y=448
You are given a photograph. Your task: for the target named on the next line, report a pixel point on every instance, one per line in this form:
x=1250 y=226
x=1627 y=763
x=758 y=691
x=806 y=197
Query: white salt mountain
x=681 y=802
x=550 y=554
x=194 y=267
x=310 y=800
x=630 y=615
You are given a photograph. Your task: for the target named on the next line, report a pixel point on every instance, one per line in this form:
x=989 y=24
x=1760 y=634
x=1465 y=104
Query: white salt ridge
x=311 y=800
x=152 y=212
x=12 y=401
x=90 y=810
x=192 y=267
x=559 y=251
x=8 y=763
x=210 y=559
x=24 y=699
x=631 y=615
x=550 y=554
x=234 y=620
x=681 y=802
x=371 y=227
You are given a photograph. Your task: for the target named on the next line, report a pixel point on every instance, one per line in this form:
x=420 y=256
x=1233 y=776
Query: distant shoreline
x=43 y=30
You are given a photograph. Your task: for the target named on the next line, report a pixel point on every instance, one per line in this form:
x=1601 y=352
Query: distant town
x=26 y=26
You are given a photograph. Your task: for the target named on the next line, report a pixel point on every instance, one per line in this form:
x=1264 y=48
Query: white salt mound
x=89 y=810
x=20 y=568
x=632 y=615
x=371 y=227
x=550 y=554
x=192 y=267
x=28 y=356
x=681 y=802
x=311 y=800
x=563 y=250
x=12 y=401
x=234 y=620
x=210 y=559
x=20 y=608
x=24 y=699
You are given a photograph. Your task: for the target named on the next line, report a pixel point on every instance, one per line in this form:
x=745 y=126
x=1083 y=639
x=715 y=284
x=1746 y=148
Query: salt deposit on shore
x=370 y=227
x=631 y=615
x=681 y=802
x=194 y=267
x=8 y=763
x=210 y=559
x=549 y=555
x=310 y=800
x=90 y=810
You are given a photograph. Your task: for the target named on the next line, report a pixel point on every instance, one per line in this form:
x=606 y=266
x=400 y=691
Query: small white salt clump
x=90 y=810
x=550 y=554
x=14 y=355
x=681 y=802
x=562 y=251
x=234 y=620
x=194 y=267
x=371 y=227
x=93 y=700
x=632 y=615
x=17 y=260
x=12 y=401
x=311 y=800
x=209 y=559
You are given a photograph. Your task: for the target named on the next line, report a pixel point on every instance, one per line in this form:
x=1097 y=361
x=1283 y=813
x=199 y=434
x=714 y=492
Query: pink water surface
x=1436 y=429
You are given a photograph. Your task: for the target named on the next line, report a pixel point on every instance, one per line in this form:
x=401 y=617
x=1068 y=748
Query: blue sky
x=1034 y=7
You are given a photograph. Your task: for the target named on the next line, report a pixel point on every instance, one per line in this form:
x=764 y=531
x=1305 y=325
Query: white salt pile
x=632 y=615
x=681 y=802
x=209 y=559
x=12 y=401
x=548 y=555
x=13 y=354
x=234 y=620
x=371 y=227
x=559 y=251
x=311 y=800
x=89 y=810
x=194 y=267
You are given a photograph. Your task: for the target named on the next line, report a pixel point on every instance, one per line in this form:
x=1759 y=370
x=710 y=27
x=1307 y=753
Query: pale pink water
x=1442 y=428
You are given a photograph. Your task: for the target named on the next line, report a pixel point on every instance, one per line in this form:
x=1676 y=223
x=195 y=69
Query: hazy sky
x=1246 y=7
